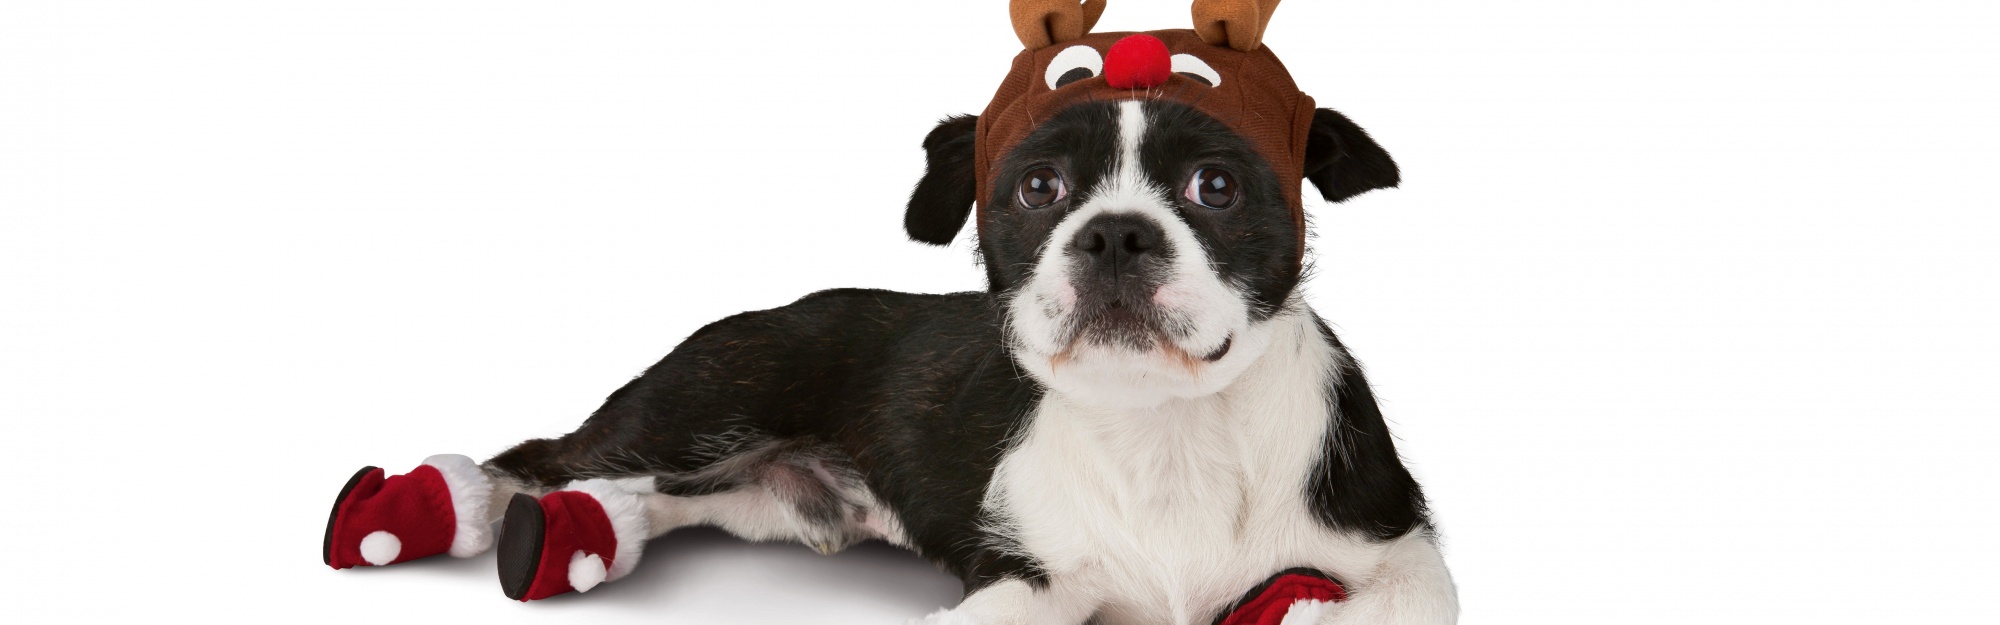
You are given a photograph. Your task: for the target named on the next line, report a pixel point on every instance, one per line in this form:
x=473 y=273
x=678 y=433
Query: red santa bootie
x=438 y=507
x=572 y=539
x=1293 y=597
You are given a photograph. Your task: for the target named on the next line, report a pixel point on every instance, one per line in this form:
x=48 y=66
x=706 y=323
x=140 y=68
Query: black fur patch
x=913 y=394
x=1360 y=484
x=1080 y=142
x=1254 y=243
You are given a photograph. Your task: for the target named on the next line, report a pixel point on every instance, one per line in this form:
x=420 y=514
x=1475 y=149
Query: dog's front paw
x=944 y=617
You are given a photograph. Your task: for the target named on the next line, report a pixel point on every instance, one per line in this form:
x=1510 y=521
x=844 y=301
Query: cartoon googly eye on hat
x=1196 y=69
x=1073 y=64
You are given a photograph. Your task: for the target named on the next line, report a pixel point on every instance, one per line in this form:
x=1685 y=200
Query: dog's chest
x=1167 y=517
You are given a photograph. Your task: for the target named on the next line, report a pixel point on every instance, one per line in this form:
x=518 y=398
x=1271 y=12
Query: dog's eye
x=1042 y=187
x=1074 y=64
x=1192 y=67
x=1213 y=188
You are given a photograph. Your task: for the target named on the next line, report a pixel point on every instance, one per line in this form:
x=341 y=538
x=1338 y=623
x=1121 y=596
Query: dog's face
x=1139 y=245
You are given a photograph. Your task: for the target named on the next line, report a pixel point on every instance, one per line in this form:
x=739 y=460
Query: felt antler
x=1043 y=23
x=1238 y=24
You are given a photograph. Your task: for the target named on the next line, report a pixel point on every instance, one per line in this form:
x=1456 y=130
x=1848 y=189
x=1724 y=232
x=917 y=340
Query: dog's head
x=1139 y=197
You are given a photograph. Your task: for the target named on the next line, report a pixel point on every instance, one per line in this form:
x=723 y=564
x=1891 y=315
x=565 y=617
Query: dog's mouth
x=1219 y=352
x=1126 y=328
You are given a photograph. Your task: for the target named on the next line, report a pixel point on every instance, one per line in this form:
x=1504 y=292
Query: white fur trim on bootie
x=586 y=570
x=628 y=522
x=471 y=492
x=1305 y=612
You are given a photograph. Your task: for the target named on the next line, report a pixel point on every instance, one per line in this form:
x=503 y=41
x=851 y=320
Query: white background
x=1685 y=313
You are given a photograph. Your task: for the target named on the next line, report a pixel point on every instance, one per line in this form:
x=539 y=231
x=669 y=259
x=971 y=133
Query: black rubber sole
x=520 y=545
x=326 y=545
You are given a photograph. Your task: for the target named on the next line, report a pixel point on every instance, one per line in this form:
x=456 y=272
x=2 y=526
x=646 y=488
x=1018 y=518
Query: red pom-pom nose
x=1137 y=62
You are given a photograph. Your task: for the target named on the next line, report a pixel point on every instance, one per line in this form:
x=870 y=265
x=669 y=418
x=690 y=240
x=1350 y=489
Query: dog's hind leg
x=750 y=485
x=773 y=491
x=764 y=382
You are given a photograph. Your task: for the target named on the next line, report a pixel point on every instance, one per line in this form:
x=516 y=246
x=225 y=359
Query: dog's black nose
x=1117 y=242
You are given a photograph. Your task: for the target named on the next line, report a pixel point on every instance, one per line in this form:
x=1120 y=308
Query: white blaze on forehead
x=1131 y=131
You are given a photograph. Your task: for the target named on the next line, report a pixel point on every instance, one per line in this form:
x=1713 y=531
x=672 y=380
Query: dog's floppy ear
x=1342 y=161
x=944 y=197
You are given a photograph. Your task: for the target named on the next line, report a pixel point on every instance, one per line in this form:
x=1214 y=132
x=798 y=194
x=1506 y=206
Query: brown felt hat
x=1244 y=85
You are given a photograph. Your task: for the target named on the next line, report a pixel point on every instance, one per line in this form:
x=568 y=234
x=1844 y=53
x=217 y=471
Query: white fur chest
x=1168 y=514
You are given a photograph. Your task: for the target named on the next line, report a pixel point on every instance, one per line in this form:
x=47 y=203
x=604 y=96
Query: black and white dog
x=1137 y=421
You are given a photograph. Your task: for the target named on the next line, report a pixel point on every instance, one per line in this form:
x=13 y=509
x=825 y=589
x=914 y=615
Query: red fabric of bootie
x=438 y=507
x=571 y=539
x=1300 y=593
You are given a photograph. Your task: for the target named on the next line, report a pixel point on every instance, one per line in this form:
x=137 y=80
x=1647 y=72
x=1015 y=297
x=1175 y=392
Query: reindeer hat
x=1220 y=67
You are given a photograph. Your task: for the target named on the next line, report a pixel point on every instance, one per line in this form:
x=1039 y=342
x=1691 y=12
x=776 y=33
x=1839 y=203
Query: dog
x=1137 y=421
